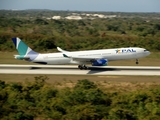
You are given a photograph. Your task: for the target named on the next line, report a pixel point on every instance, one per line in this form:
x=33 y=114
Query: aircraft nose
x=147 y=52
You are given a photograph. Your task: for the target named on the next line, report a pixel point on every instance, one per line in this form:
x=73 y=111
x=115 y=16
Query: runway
x=73 y=70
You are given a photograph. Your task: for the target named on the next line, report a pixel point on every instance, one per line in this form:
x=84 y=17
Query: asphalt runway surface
x=73 y=70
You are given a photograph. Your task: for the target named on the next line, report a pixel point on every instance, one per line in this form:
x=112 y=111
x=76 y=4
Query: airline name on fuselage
x=125 y=50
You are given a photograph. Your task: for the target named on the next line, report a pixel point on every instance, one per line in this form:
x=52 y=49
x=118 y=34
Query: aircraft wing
x=83 y=58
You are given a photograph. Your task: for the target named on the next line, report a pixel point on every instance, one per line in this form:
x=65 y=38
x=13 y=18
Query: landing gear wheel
x=85 y=67
x=137 y=61
x=81 y=67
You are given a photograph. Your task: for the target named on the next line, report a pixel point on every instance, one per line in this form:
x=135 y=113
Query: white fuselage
x=109 y=54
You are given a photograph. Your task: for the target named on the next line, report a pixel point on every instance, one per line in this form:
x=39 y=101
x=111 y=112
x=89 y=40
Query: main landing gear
x=137 y=61
x=82 y=67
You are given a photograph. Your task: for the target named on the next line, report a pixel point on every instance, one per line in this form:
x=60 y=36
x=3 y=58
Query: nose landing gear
x=137 y=61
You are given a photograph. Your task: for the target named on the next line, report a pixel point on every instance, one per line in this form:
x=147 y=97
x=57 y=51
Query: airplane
x=81 y=58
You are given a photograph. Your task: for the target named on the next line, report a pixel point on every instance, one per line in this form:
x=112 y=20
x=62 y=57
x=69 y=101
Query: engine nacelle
x=100 y=62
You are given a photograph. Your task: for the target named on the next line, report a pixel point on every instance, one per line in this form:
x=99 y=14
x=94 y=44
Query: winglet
x=61 y=50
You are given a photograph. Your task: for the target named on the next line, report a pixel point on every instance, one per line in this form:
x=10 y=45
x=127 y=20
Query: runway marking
x=73 y=70
x=109 y=76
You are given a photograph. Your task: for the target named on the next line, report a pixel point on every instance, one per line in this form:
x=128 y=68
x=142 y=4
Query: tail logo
x=24 y=50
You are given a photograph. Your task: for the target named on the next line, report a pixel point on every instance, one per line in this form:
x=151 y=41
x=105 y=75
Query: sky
x=84 y=5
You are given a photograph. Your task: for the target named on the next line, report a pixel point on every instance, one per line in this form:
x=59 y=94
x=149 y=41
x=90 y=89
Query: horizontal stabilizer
x=21 y=57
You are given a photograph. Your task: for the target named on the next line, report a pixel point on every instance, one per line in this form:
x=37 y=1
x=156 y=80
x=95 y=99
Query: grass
x=74 y=78
x=107 y=83
x=8 y=58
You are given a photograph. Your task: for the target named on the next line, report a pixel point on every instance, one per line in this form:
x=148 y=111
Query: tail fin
x=23 y=50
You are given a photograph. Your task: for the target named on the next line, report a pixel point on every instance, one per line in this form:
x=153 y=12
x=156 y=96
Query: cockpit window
x=145 y=50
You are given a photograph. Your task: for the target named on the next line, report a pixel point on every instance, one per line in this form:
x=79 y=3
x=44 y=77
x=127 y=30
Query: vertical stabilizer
x=23 y=50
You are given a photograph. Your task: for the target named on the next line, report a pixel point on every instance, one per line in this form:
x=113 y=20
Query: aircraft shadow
x=98 y=70
x=90 y=70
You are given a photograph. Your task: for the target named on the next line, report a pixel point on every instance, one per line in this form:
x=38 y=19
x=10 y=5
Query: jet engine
x=100 y=62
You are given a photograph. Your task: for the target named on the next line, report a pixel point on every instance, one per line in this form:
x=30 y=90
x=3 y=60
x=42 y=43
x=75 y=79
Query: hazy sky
x=84 y=5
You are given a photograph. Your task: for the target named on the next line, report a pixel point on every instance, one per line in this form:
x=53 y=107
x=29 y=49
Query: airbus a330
x=81 y=58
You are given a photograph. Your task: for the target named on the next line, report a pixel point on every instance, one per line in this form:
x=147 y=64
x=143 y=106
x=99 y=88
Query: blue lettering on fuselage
x=128 y=50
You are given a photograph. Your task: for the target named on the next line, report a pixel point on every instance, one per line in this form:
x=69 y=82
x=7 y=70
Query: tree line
x=85 y=101
x=44 y=35
x=42 y=43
